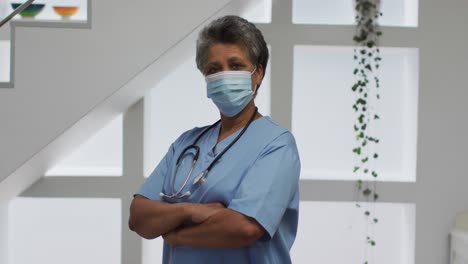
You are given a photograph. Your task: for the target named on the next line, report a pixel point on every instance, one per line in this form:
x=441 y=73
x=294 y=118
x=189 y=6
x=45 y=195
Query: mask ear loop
x=255 y=68
x=254 y=94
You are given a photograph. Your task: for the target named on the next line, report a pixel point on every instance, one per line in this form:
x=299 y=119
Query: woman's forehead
x=226 y=52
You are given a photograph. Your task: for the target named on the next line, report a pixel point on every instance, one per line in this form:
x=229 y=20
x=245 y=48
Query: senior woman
x=225 y=193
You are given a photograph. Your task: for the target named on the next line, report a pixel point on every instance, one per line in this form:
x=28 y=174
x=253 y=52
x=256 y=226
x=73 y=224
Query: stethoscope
x=200 y=179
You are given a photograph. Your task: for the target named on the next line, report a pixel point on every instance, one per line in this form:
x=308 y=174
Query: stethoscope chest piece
x=200 y=179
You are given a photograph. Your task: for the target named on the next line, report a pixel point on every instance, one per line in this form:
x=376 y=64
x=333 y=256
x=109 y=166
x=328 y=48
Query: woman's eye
x=236 y=67
x=210 y=71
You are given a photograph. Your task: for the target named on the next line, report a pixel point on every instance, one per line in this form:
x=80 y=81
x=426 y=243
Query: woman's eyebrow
x=235 y=59
x=213 y=63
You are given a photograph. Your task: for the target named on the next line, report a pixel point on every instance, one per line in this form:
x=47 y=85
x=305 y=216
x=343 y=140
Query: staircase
x=70 y=78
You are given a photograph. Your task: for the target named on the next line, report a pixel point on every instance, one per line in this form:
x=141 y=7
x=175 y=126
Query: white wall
x=69 y=81
x=61 y=74
x=443 y=126
x=3 y=231
x=29 y=119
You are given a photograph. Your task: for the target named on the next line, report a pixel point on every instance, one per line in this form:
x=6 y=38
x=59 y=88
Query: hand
x=201 y=212
x=171 y=238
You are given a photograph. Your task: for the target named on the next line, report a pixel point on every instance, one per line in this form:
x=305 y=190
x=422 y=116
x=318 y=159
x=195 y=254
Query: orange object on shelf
x=66 y=11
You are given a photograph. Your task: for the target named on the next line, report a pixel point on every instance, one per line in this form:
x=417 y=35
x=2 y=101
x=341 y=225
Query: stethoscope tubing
x=201 y=178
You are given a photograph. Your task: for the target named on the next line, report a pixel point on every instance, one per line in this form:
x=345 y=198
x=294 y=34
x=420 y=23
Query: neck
x=231 y=124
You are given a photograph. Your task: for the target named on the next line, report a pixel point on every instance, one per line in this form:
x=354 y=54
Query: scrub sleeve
x=154 y=183
x=270 y=184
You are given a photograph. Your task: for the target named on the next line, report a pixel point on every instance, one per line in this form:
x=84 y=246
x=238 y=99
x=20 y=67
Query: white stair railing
x=15 y=12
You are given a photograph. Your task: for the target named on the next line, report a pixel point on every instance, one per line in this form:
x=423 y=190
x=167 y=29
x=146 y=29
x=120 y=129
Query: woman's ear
x=260 y=73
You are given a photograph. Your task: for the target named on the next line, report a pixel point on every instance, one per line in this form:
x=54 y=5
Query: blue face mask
x=231 y=91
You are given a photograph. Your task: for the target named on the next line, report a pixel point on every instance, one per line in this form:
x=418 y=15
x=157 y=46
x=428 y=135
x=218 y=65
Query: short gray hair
x=232 y=30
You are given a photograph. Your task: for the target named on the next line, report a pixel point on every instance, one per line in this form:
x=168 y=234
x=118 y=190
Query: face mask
x=231 y=91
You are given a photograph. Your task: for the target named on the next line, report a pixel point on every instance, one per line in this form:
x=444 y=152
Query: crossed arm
x=215 y=226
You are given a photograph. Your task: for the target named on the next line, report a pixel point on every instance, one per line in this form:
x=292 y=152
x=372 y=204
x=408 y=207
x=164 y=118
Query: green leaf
x=359 y=184
x=376 y=196
x=376 y=155
x=376 y=220
x=374 y=174
x=361 y=119
x=365 y=160
x=363 y=127
x=355 y=72
x=357 y=150
x=356 y=168
x=367 y=213
x=361 y=101
x=376 y=117
x=366 y=170
x=367 y=192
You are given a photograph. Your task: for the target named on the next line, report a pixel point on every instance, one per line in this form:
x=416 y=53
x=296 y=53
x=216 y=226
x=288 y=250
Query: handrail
x=15 y=12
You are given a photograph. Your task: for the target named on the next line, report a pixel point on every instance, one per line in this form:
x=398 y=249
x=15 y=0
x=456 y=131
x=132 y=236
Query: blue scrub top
x=258 y=177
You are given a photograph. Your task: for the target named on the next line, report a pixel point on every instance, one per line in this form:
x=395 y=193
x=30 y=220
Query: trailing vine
x=366 y=88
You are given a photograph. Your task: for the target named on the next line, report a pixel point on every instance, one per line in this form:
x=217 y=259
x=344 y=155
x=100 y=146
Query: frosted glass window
x=179 y=103
x=258 y=12
x=48 y=12
x=402 y=13
x=323 y=118
x=326 y=228
x=4 y=61
x=100 y=155
x=57 y=231
x=152 y=251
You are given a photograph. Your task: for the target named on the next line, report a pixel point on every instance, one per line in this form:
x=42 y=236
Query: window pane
x=402 y=13
x=100 y=155
x=4 y=61
x=323 y=118
x=48 y=12
x=326 y=228
x=152 y=251
x=179 y=103
x=258 y=12
x=57 y=231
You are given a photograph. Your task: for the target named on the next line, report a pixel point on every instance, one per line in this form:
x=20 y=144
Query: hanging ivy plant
x=366 y=88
